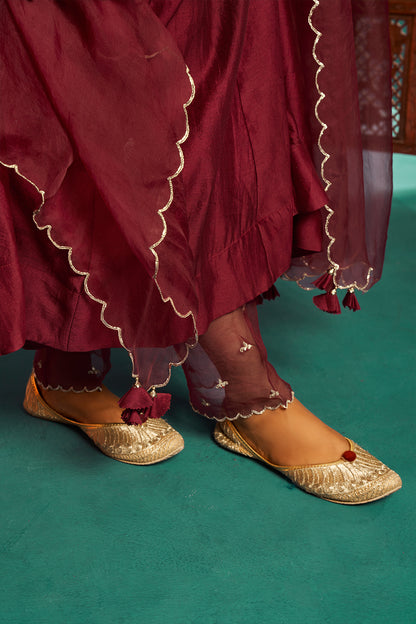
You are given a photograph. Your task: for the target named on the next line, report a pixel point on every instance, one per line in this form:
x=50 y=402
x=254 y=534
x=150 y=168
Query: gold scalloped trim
x=164 y=232
x=326 y=157
x=62 y=389
x=86 y=274
x=273 y=408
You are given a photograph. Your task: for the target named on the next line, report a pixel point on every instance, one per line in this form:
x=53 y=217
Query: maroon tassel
x=271 y=294
x=138 y=405
x=326 y=281
x=135 y=403
x=161 y=404
x=133 y=417
x=328 y=302
x=258 y=300
x=350 y=301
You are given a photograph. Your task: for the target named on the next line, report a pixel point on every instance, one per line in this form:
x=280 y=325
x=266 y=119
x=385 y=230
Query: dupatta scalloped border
x=152 y=248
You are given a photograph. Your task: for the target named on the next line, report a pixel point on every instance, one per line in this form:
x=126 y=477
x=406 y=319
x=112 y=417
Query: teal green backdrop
x=210 y=537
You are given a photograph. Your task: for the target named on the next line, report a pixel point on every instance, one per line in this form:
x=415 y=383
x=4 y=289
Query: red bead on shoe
x=349 y=456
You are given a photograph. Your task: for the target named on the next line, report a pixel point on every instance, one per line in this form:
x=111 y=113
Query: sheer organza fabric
x=351 y=123
x=227 y=372
x=176 y=158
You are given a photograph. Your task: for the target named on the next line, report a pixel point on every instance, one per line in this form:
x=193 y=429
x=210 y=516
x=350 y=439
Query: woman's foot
x=355 y=478
x=98 y=416
x=292 y=436
x=85 y=407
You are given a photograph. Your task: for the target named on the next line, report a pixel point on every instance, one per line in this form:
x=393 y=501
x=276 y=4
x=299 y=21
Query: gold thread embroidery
x=275 y=407
x=62 y=389
x=164 y=232
x=86 y=274
x=67 y=248
x=326 y=157
x=324 y=153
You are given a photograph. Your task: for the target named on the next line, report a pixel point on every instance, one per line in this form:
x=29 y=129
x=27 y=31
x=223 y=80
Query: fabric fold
x=128 y=232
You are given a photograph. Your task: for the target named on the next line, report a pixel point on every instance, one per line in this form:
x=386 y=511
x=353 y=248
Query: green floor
x=209 y=537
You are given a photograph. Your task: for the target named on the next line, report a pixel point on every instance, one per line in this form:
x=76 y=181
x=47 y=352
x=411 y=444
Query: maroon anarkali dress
x=163 y=162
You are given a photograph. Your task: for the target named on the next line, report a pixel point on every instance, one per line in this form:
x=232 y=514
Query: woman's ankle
x=88 y=407
x=292 y=436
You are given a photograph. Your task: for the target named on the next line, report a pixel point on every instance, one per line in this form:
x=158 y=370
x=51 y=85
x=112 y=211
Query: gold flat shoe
x=356 y=478
x=152 y=442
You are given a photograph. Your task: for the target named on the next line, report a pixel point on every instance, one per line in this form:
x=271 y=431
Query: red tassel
x=328 y=302
x=138 y=406
x=326 y=281
x=133 y=417
x=350 y=301
x=135 y=403
x=136 y=398
x=271 y=294
x=161 y=404
x=258 y=300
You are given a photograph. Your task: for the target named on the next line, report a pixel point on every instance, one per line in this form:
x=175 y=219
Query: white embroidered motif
x=246 y=347
x=221 y=383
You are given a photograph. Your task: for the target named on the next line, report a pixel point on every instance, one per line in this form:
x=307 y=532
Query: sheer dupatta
x=346 y=57
x=99 y=152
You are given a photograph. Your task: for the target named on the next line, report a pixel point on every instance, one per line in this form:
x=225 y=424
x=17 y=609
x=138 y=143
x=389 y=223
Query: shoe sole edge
x=48 y=418
x=233 y=447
